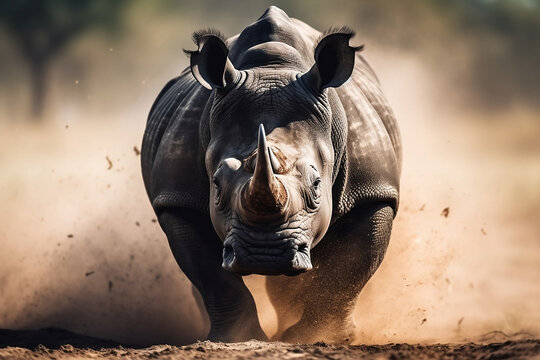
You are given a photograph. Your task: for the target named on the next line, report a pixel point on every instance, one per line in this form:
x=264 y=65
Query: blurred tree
x=504 y=37
x=41 y=29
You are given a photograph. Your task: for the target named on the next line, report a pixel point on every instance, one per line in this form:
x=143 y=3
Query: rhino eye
x=313 y=191
x=316 y=179
x=216 y=183
x=218 y=200
x=316 y=188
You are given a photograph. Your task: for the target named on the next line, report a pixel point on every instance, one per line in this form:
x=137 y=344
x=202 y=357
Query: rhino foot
x=251 y=333
x=308 y=331
x=236 y=328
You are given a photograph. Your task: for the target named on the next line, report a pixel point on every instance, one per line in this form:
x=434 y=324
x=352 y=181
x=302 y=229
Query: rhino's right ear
x=210 y=64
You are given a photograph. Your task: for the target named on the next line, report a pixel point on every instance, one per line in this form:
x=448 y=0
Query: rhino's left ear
x=210 y=64
x=334 y=60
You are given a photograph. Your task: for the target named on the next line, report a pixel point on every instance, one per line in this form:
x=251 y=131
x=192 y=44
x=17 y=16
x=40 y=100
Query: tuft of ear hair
x=200 y=34
x=338 y=30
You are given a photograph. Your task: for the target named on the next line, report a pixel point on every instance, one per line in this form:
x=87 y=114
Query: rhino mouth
x=283 y=252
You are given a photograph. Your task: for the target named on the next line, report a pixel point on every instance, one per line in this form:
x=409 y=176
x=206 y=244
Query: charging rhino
x=275 y=153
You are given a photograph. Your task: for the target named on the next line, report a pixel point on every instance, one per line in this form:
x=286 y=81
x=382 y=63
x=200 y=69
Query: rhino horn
x=265 y=193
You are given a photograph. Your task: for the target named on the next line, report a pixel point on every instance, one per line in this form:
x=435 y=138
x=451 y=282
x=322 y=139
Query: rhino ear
x=210 y=64
x=334 y=60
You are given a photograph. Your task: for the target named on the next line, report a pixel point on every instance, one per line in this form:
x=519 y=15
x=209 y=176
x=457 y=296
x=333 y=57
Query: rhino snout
x=283 y=249
x=290 y=258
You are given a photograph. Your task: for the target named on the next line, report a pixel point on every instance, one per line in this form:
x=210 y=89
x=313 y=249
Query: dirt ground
x=60 y=344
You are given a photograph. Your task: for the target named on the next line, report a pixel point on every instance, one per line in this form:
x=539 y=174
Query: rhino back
x=274 y=39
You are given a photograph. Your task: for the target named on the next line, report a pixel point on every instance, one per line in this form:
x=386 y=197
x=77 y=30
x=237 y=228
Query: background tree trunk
x=38 y=71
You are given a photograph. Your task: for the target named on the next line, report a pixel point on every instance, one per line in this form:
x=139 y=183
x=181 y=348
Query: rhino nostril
x=228 y=250
x=228 y=255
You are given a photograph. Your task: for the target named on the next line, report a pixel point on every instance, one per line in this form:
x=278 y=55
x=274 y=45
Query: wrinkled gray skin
x=275 y=153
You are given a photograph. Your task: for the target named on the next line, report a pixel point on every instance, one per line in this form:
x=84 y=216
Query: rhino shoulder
x=370 y=167
x=172 y=156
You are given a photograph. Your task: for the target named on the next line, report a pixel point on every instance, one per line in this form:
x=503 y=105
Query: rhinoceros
x=276 y=153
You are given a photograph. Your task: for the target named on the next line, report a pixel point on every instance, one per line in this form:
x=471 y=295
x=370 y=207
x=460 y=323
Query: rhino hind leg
x=343 y=263
x=197 y=249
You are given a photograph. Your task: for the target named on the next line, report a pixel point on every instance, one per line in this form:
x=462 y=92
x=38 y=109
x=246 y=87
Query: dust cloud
x=80 y=248
x=464 y=258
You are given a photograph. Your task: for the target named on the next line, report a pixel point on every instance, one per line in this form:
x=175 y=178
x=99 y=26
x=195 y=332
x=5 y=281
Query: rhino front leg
x=197 y=249
x=343 y=263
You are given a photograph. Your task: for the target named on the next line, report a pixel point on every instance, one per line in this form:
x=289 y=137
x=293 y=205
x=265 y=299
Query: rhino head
x=270 y=153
